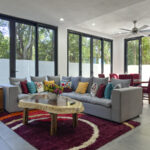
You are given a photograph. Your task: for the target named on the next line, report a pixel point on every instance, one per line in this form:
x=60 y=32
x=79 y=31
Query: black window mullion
x=80 y=55
x=56 y=51
x=91 y=56
x=102 y=57
x=140 y=55
x=12 y=49
x=111 y=70
x=36 y=51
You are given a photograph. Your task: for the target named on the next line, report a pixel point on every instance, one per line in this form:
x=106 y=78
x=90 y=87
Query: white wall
x=62 y=51
x=118 y=55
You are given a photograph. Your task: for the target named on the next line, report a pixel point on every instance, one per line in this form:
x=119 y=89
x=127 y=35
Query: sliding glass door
x=145 y=58
x=73 y=54
x=4 y=51
x=86 y=56
x=107 y=58
x=97 y=57
x=25 y=50
x=46 y=50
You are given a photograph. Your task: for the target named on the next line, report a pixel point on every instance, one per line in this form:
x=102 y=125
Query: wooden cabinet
x=1 y=99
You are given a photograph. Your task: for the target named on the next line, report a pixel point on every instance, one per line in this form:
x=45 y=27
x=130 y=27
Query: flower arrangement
x=54 y=88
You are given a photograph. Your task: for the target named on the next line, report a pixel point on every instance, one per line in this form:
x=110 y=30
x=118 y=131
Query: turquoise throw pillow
x=31 y=87
x=108 y=90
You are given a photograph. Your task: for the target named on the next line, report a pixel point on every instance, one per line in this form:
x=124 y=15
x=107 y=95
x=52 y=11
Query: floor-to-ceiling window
x=137 y=56
x=27 y=48
x=88 y=55
x=46 y=48
x=133 y=56
x=107 y=57
x=97 y=57
x=145 y=58
x=4 y=51
x=73 y=54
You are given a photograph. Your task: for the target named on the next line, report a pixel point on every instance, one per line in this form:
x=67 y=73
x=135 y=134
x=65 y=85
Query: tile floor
x=137 y=139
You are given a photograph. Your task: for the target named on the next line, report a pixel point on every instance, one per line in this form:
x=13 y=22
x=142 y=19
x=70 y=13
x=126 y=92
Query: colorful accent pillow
x=39 y=86
x=108 y=90
x=65 y=84
x=24 y=87
x=82 y=87
x=31 y=87
x=47 y=84
x=100 y=91
x=94 y=89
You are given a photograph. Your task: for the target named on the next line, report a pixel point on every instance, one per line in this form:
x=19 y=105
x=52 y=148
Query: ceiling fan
x=137 y=31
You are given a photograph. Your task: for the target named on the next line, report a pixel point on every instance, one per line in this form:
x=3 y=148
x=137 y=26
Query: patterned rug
x=90 y=134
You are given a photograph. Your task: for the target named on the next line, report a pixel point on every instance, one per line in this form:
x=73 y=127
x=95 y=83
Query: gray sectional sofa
x=125 y=103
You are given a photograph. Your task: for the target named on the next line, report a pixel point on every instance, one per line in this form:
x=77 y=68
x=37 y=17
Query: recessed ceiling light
x=61 y=19
x=93 y=24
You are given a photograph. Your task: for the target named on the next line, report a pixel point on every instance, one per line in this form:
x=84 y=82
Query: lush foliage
x=25 y=42
x=54 y=88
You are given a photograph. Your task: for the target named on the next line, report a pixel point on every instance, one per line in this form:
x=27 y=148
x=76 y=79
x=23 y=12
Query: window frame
x=12 y=21
x=81 y=34
x=126 y=53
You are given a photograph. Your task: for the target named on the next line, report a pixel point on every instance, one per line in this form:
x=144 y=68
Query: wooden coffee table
x=54 y=105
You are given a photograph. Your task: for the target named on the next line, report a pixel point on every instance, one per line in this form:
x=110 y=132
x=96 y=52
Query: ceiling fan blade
x=143 y=27
x=125 y=29
x=145 y=31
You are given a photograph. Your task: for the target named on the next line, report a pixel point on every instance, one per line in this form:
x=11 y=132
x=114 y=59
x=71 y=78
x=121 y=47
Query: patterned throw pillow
x=82 y=87
x=94 y=89
x=31 y=87
x=65 y=84
x=47 y=84
x=39 y=86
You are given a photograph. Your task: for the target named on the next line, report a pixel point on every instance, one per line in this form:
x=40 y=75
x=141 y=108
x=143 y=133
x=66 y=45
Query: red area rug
x=90 y=134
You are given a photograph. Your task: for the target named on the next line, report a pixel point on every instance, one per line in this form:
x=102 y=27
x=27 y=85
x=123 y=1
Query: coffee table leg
x=75 y=120
x=53 y=129
x=25 y=116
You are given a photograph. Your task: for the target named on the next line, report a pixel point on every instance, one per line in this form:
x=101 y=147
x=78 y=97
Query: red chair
x=113 y=75
x=136 y=79
x=101 y=75
x=146 y=90
x=127 y=76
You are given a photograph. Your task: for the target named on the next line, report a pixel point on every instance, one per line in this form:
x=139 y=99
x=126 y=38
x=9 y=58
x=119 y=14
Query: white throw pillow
x=39 y=86
x=94 y=89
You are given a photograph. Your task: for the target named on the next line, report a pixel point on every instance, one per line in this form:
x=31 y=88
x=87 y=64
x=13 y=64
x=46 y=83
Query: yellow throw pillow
x=47 y=84
x=82 y=87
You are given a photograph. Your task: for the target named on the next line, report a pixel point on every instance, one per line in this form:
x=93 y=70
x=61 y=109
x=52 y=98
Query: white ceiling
x=108 y=15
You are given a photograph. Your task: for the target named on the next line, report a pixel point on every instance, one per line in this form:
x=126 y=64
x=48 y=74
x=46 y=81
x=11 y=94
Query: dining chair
x=101 y=75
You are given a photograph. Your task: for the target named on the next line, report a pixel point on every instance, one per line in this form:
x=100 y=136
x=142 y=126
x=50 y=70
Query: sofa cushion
x=108 y=91
x=55 y=78
x=124 y=82
x=82 y=87
x=87 y=98
x=100 y=81
x=38 y=79
x=31 y=87
x=24 y=87
x=16 y=81
x=100 y=91
x=75 y=81
x=23 y=96
x=66 y=78
x=89 y=80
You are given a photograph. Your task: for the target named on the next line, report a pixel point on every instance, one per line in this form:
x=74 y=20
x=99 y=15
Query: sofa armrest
x=10 y=98
x=126 y=103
